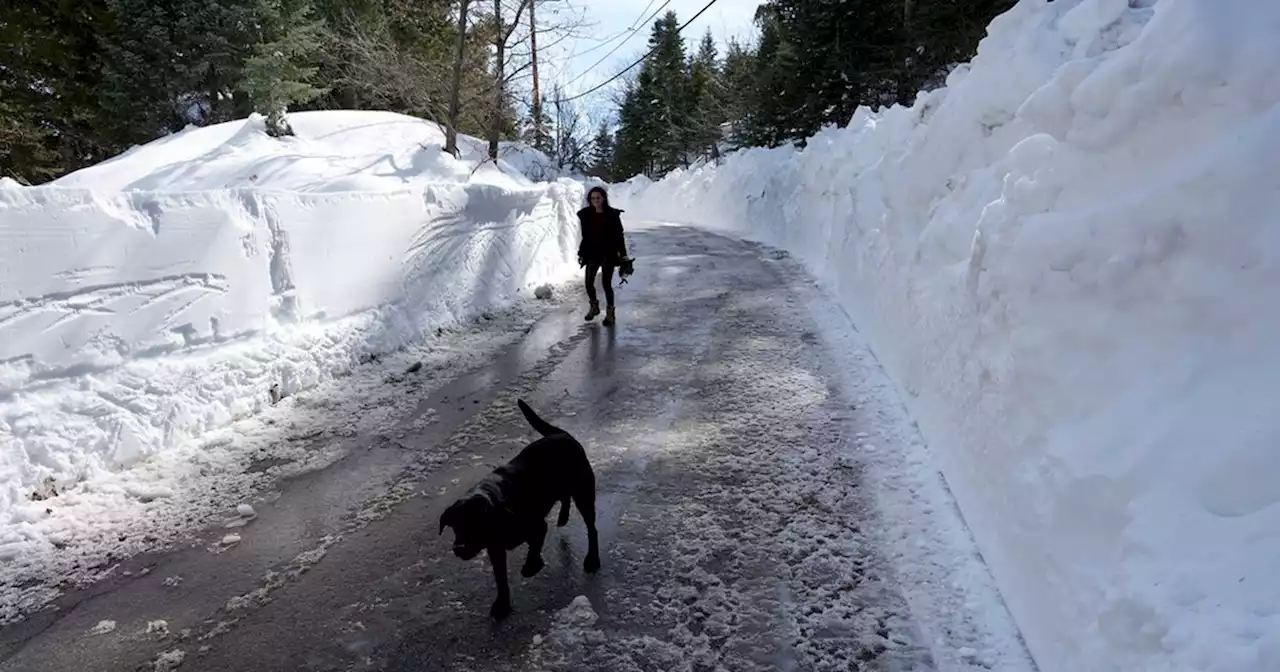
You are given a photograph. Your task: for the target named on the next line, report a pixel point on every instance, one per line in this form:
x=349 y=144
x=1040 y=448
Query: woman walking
x=602 y=248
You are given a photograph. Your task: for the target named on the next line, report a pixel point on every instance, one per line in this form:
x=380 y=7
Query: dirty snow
x=1068 y=261
x=103 y=627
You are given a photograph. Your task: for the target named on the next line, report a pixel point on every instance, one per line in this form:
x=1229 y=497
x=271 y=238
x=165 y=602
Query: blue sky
x=610 y=23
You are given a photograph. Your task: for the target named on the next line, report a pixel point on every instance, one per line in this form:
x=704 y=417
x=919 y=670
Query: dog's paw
x=532 y=566
x=591 y=564
x=500 y=609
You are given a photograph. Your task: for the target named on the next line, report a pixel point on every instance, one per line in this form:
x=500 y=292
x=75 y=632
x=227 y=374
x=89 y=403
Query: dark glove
x=582 y=263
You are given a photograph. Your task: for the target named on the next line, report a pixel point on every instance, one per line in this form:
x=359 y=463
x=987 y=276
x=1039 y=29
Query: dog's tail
x=542 y=426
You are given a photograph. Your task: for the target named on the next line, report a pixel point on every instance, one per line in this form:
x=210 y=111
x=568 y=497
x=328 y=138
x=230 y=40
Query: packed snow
x=150 y=302
x=1069 y=261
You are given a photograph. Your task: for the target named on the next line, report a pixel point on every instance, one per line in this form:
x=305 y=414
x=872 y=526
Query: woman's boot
x=608 y=317
x=595 y=310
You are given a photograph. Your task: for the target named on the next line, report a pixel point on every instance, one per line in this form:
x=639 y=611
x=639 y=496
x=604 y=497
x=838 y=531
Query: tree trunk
x=499 y=66
x=537 y=96
x=455 y=87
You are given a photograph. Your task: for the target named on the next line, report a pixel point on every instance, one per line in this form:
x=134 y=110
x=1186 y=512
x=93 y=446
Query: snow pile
x=1069 y=260
x=330 y=151
x=132 y=321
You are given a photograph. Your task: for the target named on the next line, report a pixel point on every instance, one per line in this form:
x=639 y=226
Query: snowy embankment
x=160 y=295
x=1069 y=260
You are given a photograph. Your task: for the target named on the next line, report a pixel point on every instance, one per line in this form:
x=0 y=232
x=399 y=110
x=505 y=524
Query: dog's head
x=469 y=519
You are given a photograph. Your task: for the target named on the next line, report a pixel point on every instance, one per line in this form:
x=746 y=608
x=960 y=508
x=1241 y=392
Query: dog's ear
x=446 y=518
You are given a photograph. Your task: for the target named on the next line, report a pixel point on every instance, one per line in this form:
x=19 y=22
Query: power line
x=638 y=60
x=605 y=42
x=602 y=43
x=646 y=8
x=619 y=46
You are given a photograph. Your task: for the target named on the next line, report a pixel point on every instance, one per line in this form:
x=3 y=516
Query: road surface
x=733 y=537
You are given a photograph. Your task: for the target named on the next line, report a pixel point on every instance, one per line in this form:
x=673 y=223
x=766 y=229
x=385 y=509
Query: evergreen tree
x=638 y=132
x=26 y=151
x=80 y=82
x=654 y=118
x=277 y=76
x=707 y=101
x=602 y=154
x=674 y=107
x=173 y=63
x=773 y=119
x=821 y=59
x=50 y=63
x=738 y=92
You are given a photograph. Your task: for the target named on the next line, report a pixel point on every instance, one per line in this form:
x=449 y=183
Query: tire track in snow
x=90 y=300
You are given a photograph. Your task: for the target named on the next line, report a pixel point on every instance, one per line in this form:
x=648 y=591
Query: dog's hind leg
x=564 y=512
x=498 y=561
x=533 y=561
x=586 y=503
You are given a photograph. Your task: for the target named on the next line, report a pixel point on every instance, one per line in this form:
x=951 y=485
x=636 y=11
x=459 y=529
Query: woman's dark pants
x=592 y=268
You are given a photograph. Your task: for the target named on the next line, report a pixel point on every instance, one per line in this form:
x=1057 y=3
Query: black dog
x=510 y=506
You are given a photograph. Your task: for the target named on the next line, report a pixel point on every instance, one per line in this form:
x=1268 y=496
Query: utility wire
x=646 y=8
x=619 y=45
x=638 y=60
x=605 y=42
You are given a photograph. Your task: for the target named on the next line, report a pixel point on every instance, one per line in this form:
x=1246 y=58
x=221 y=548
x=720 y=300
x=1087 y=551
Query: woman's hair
x=603 y=194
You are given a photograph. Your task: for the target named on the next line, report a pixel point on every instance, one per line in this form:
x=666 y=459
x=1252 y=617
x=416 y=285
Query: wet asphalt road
x=730 y=539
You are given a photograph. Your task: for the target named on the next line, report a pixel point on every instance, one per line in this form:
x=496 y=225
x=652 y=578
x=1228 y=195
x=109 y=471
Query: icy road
x=757 y=511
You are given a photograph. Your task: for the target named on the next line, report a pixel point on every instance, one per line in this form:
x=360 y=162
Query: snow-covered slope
x=158 y=296
x=1069 y=259
x=330 y=151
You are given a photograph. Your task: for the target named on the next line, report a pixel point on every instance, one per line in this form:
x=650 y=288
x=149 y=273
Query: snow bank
x=330 y=151
x=132 y=321
x=1069 y=260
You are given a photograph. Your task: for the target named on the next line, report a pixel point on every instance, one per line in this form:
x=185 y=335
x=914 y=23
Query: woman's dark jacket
x=602 y=242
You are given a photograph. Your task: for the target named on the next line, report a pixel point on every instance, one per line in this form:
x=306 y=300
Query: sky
x=611 y=23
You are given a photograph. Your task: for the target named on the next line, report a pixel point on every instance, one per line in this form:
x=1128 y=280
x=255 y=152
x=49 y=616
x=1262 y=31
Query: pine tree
x=277 y=76
x=50 y=116
x=602 y=154
x=26 y=152
x=639 y=133
x=80 y=82
x=707 y=105
x=671 y=88
x=738 y=93
x=170 y=64
x=777 y=68
x=820 y=59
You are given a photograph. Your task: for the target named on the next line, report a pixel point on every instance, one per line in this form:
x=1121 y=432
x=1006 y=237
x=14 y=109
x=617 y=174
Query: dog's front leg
x=533 y=561
x=498 y=561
